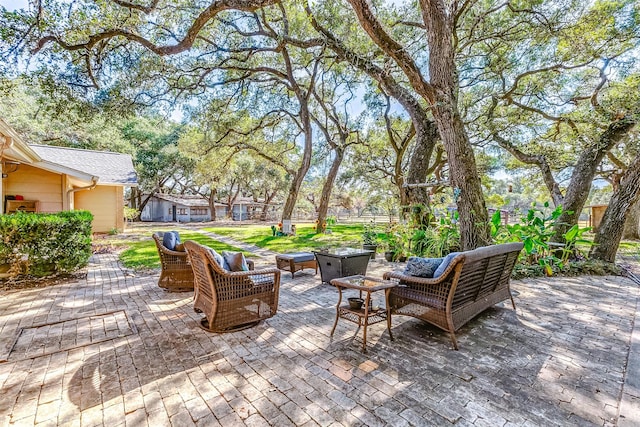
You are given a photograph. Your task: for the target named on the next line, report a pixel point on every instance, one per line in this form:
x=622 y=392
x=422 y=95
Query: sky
x=14 y=4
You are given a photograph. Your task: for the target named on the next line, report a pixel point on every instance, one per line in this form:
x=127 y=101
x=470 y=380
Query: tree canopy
x=416 y=92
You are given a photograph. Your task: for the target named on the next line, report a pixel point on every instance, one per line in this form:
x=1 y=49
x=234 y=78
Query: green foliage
x=535 y=231
x=369 y=234
x=398 y=239
x=573 y=268
x=130 y=213
x=43 y=244
x=436 y=241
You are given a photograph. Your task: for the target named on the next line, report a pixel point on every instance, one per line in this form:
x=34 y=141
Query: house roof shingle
x=111 y=168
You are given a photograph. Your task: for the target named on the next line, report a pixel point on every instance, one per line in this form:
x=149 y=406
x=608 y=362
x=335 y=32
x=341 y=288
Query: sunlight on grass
x=629 y=248
x=305 y=240
x=143 y=253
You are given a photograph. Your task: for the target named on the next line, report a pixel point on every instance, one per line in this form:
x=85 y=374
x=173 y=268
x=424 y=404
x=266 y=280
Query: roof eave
x=56 y=168
x=14 y=147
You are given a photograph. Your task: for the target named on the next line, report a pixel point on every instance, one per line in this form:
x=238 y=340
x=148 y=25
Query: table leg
x=388 y=308
x=366 y=321
x=337 y=310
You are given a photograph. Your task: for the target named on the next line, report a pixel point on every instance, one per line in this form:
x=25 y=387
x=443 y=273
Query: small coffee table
x=367 y=315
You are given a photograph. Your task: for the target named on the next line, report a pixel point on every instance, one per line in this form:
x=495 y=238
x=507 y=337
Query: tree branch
x=205 y=16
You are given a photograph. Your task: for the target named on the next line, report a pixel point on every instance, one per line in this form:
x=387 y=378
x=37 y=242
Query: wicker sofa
x=231 y=301
x=474 y=281
x=176 y=274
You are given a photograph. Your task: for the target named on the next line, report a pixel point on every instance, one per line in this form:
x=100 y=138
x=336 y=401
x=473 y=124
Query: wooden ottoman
x=296 y=261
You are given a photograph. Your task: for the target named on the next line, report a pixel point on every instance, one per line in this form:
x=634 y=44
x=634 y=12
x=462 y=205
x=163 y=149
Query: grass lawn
x=141 y=250
x=342 y=235
x=629 y=248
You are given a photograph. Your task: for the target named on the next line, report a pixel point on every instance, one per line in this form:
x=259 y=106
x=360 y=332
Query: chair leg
x=453 y=340
x=513 y=303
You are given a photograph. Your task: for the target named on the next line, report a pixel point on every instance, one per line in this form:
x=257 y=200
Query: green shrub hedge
x=42 y=244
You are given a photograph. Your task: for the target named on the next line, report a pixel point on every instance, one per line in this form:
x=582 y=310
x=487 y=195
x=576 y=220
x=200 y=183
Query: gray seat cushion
x=298 y=256
x=422 y=267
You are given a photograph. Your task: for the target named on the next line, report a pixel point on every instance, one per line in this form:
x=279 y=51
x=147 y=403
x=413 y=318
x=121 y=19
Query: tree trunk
x=212 y=203
x=325 y=197
x=426 y=138
x=467 y=188
x=298 y=178
x=632 y=224
x=426 y=131
x=265 y=209
x=465 y=180
x=610 y=231
x=582 y=176
x=144 y=202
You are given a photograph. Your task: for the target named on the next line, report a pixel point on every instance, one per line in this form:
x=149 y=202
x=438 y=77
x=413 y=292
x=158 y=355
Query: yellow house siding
x=105 y=203
x=36 y=184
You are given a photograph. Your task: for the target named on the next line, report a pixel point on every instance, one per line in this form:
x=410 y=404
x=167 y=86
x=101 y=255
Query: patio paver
x=141 y=359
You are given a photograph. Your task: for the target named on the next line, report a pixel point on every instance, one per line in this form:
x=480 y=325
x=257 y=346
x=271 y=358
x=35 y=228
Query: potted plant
x=388 y=252
x=398 y=242
x=370 y=238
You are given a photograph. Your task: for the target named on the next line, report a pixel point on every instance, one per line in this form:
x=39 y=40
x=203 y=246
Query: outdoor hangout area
x=319 y=213
x=115 y=346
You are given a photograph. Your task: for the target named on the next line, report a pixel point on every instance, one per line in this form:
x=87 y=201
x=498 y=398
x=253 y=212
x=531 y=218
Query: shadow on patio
x=137 y=354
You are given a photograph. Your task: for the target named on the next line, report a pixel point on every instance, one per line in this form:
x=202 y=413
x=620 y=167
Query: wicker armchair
x=176 y=274
x=231 y=301
x=474 y=281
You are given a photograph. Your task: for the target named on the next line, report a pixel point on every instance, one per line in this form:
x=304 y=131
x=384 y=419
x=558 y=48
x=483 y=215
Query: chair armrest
x=168 y=251
x=399 y=276
x=250 y=273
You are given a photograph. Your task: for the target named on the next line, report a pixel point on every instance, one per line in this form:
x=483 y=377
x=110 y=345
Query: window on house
x=182 y=211
x=198 y=211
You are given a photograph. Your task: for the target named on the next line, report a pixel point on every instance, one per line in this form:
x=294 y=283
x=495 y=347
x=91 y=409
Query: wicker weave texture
x=231 y=300
x=474 y=281
x=176 y=274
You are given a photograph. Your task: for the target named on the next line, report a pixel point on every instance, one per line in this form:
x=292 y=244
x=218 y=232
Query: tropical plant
x=398 y=239
x=436 y=241
x=536 y=231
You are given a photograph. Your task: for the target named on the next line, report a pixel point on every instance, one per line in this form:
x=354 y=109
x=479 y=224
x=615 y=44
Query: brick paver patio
x=114 y=349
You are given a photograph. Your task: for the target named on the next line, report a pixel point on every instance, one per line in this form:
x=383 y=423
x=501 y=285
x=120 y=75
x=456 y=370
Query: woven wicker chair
x=474 y=281
x=231 y=301
x=176 y=274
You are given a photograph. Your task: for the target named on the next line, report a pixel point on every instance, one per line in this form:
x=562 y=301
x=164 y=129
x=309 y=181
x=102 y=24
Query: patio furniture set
x=465 y=284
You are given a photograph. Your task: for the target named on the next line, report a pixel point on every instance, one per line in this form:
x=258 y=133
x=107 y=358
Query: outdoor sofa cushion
x=235 y=261
x=444 y=264
x=422 y=267
x=170 y=240
x=218 y=257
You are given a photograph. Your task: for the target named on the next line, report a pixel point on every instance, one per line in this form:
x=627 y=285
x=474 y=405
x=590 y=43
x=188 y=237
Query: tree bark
x=327 y=188
x=467 y=188
x=418 y=170
x=298 y=178
x=534 y=159
x=267 y=200
x=305 y=122
x=610 y=231
x=212 y=203
x=632 y=224
x=426 y=133
x=583 y=173
x=441 y=93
